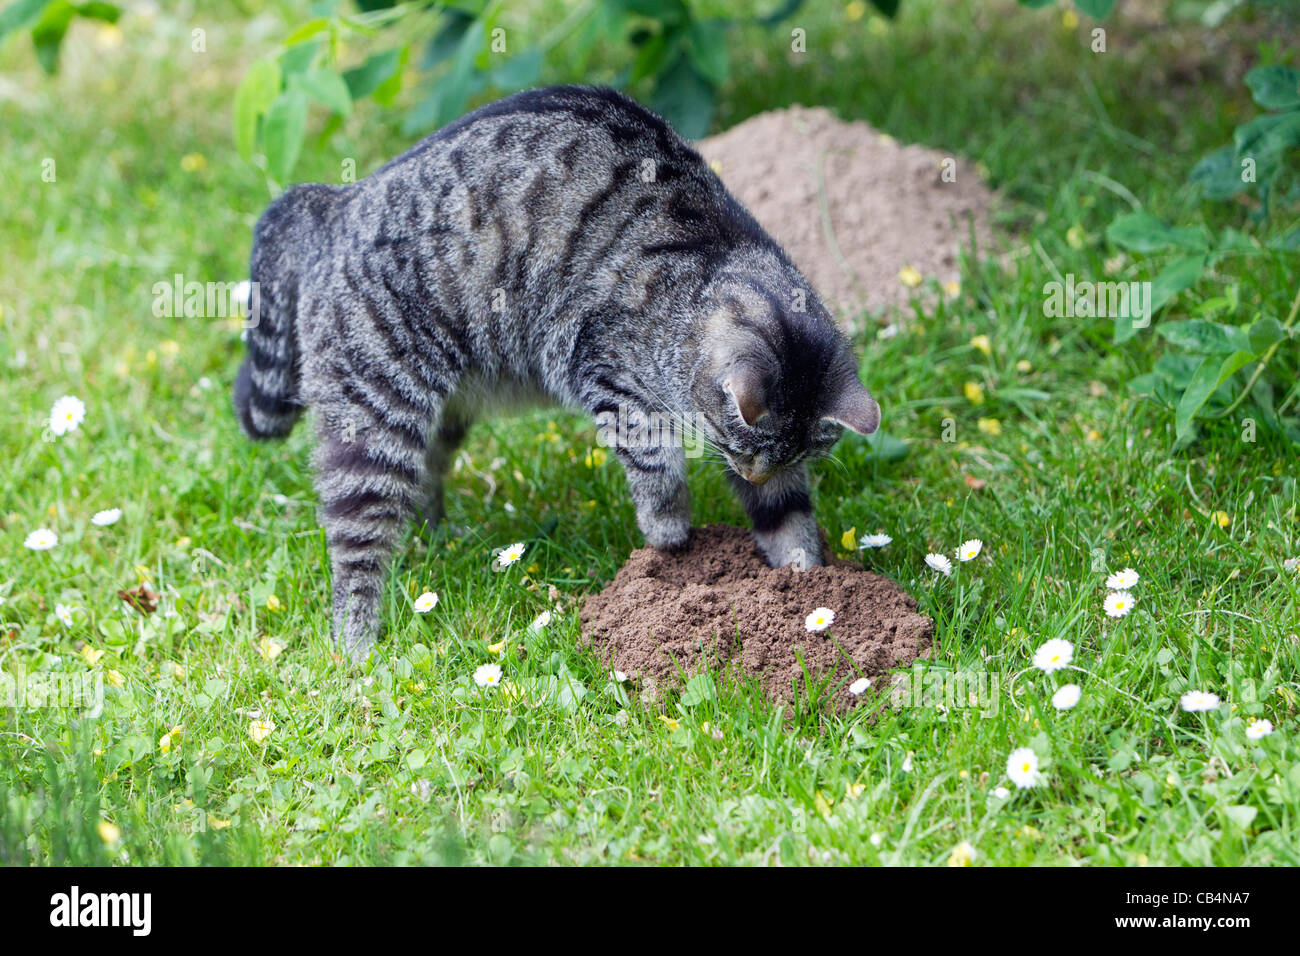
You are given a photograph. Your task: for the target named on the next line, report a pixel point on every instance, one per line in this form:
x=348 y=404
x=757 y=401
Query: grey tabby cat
x=562 y=244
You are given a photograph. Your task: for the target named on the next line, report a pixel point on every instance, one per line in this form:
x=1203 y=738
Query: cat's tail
x=266 y=389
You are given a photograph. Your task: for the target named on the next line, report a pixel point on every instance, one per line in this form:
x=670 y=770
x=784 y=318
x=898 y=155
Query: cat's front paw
x=667 y=534
x=795 y=543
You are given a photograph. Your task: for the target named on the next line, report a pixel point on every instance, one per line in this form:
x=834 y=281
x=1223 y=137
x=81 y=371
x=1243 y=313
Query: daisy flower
x=819 y=619
x=939 y=562
x=270 y=649
x=874 y=541
x=1054 y=655
x=426 y=602
x=64 y=614
x=488 y=675
x=907 y=763
x=1259 y=729
x=1001 y=792
x=1195 y=701
x=1122 y=580
x=1119 y=603
x=42 y=539
x=963 y=854
x=1022 y=768
x=970 y=550
x=859 y=686
x=510 y=555
x=1291 y=564
x=67 y=413
x=542 y=620
x=1067 y=696
x=618 y=676
x=259 y=730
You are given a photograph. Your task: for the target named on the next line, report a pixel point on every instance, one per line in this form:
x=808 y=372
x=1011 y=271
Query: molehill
x=716 y=604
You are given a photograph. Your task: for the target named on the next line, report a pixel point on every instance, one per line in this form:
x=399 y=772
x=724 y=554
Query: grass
x=407 y=761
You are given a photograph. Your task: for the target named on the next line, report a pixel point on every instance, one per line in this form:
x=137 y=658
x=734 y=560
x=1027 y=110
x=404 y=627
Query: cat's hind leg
x=781 y=513
x=447 y=436
x=369 y=473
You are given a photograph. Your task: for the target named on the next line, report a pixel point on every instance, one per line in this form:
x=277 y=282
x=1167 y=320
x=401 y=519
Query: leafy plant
x=1256 y=159
x=49 y=21
x=1212 y=368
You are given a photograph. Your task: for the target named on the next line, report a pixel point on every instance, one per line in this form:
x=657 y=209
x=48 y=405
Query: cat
x=562 y=244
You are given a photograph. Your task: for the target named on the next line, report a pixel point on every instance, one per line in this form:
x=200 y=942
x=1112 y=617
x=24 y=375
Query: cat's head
x=776 y=386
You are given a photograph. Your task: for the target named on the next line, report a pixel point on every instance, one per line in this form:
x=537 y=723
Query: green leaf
x=47 y=35
x=19 y=14
x=706 y=44
x=685 y=98
x=327 y=88
x=283 y=130
x=454 y=25
x=519 y=72
x=369 y=76
x=1209 y=375
x=1218 y=175
x=1204 y=338
x=1275 y=87
x=1174 y=278
x=887 y=7
x=699 y=690
x=650 y=57
x=1143 y=232
x=300 y=57
x=885 y=447
x=256 y=92
x=1265 y=333
x=1241 y=815
x=307 y=31
x=1267 y=137
x=1097 y=9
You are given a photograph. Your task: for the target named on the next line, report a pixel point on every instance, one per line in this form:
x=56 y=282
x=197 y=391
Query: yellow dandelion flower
x=909 y=277
x=855 y=11
x=1024 y=366
x=974 y=393
x=990 y=426
x=1222 y=519
x=115 y=678
x=595 y=458
x=90 y=655
x=272 y=603
x=982 y=343
x=963 y=854
x=108 y=832
x=166 y=741
x=672 y=723
x=1069 y=19
x=270 y=649
x=194 y=162
x=953 y=288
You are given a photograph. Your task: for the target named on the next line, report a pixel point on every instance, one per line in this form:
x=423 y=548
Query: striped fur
x=562 y=244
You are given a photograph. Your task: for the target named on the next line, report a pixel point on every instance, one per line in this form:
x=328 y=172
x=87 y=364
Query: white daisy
x=619 y=676
x=488 y=675
x=67 y=413
x=1001 y=792
x=42 y=539
x=970 y=550
x=1119 y=603
x=859 y=686
x=1195 y=701
x=907 y=763
x=510 y=555
x=426 y=602
x=1291 y=564
x=819 y=619
x=876 y=839
x=1067 y=696
x=64 y=614
x=1122 y=580
x=542 y=620
x=1054 y=655
x=107 y=517
x=1022 y=768
x=939 y=562
x=1259 y=729
x=874 y=540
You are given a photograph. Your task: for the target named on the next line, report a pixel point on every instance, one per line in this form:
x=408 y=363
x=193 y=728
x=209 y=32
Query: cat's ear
x=744 y=383
x=854 y=408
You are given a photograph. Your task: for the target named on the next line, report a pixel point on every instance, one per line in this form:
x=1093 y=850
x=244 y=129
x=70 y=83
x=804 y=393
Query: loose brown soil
x=716 y=604
x=852 y=206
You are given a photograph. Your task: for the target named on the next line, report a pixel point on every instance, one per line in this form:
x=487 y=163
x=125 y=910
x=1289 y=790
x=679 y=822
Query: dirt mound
x=717 y=604
x=853 y=207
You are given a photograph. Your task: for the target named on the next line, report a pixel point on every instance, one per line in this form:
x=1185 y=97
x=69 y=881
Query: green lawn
x=407 y=760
